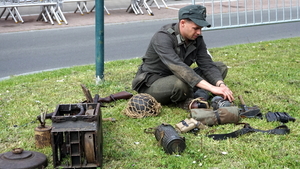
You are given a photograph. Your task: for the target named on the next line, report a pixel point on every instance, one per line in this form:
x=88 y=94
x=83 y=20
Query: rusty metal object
x=90 y=112
x=42 y=132
x=21 y=159
x=42 y=136
x=87 y=94
x=77 y=138
x=89 y=147
x=82 y=109
x=111 y=98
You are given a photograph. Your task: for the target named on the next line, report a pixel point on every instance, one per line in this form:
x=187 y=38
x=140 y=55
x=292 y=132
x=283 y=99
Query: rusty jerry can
x=76 y=136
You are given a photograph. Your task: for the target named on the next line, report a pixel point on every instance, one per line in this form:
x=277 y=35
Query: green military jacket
x=167 y=54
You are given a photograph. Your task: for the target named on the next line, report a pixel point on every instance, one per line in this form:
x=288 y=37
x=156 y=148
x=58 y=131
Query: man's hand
x=227 y=93
x=221 y=89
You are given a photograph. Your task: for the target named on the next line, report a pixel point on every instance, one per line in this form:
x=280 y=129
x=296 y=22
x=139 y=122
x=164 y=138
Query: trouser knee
x=169 y=89
x=181 y=91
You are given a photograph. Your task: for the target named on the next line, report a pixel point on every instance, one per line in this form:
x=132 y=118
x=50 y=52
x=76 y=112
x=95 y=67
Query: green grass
x=265 y=73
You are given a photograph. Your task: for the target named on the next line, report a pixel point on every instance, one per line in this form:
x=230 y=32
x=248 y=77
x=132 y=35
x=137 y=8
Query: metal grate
x=238 y=13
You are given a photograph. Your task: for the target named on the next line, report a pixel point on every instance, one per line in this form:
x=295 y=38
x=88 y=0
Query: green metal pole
x=99 y=36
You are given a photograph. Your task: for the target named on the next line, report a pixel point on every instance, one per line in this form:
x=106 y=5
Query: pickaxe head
x=250 y=112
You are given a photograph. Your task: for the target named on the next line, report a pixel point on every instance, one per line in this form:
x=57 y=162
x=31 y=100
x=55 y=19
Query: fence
x=220 y=13
x=50 y=10
x=238 y=13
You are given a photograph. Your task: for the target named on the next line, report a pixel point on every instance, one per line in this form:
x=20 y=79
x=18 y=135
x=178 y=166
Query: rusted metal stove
x=76 y=136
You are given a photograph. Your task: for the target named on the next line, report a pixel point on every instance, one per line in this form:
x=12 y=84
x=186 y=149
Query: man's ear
x=182 y=21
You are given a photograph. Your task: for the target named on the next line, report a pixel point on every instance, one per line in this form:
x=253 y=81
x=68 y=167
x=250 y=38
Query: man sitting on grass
x=165 y=72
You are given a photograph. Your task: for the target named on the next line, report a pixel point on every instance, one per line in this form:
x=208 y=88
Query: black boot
x=204 y=94
x=218 y=102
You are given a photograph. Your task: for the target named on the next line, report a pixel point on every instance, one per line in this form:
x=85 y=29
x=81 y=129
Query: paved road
x=33 y=51
x=27 y=52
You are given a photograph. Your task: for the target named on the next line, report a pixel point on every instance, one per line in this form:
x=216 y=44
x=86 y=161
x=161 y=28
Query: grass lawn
x=267 y=74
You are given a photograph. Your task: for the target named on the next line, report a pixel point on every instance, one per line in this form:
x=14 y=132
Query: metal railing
x=137 y=5
x=238 y=13
x=220 y=13
x=49 y=10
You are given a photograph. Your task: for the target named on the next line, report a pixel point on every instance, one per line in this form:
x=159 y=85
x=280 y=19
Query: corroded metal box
x=76 y=136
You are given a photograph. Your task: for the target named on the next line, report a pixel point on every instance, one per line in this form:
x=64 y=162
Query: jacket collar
x=180 y=39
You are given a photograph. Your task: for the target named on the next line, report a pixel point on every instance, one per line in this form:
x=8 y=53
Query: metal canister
x=169 y=139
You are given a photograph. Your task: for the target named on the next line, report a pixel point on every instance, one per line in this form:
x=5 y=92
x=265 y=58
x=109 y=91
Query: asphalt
x=117 y=10
x=118 y=15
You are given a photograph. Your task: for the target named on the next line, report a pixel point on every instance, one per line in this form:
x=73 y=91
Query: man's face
x=189 y=30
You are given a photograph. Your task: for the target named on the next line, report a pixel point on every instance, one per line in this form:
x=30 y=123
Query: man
x=165 y=72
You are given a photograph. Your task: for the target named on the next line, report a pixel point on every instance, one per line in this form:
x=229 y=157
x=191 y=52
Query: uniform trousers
x=171 y=89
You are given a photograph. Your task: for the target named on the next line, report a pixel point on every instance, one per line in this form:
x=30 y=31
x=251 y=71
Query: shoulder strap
x=281 y=130
x=171 y=31
x=177 y=39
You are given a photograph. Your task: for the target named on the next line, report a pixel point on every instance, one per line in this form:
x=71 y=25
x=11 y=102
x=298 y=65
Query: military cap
x=196 y=13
